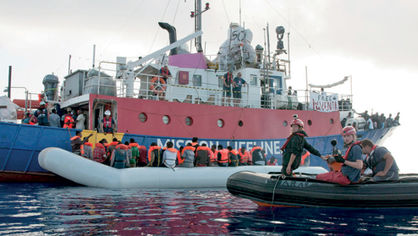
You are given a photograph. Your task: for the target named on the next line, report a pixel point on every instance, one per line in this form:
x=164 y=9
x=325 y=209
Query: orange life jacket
x=224 y=155
x=336 y=166
x=213 y=155
x=187 y=148
x=304 y=156
x=152 y=148
x=243 y=157
x=81 y=146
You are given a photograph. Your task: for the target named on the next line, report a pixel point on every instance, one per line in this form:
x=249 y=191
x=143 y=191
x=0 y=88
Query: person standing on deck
x=80 y=120
x=108 y=122
x=68 y=120
x=54 y=119
x=238 y=83
x=228 y=81
x=293 y=148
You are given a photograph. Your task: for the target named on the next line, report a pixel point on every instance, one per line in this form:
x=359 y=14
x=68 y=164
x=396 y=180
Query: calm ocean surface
x=38 y=209
x=73 y=210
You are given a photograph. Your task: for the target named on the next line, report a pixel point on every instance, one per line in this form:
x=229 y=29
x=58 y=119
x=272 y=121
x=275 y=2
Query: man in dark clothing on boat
x=380 y=161
x=293 y=148
x=76 y=143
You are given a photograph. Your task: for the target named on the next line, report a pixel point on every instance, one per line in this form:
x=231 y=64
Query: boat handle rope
x=275 y=185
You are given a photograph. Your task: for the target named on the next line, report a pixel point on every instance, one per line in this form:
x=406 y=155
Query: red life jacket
x=68 y=121
x=107 y=123
x=224 y=155
x=288 y=139
x=98 y=153
x=165 y=72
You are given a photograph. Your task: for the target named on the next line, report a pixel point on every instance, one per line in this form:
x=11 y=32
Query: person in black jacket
x=293 y=148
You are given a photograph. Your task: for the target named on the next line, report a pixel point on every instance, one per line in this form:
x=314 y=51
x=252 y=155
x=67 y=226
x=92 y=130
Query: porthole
x=285 y=123
x=189 y=121
x=240 y=123
x=221 y=123
x=166 y=119
x=142 y=117
x=309 y=122
x=331 y=121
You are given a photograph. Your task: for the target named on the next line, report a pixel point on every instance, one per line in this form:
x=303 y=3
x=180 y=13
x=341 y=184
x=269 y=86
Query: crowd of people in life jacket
x=131 y=154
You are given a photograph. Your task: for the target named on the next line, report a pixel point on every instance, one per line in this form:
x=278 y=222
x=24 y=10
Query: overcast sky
x=375 y=41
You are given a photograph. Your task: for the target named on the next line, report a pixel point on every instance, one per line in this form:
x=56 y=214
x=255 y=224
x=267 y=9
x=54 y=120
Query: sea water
x=38 y=209
x=75 y=210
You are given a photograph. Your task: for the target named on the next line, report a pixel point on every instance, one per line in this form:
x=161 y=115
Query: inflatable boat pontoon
x=90 y=173
x=275 y=190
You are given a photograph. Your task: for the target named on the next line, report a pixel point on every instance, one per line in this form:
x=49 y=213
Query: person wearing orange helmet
x=293 y=148
x=351 y=163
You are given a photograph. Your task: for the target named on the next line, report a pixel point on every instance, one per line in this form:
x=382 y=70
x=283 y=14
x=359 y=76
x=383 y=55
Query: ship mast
x=197 y=14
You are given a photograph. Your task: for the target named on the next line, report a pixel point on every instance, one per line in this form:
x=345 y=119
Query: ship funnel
x=172 y=34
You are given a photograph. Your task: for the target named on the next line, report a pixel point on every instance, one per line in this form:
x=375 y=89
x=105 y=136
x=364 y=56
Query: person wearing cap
x=293 y=148
x=350 y=165
x=108 y=122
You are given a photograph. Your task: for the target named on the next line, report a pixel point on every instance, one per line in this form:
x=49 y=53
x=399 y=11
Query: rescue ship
x=188 y=103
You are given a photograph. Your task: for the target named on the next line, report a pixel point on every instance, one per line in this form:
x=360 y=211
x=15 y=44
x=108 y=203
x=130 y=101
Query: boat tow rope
x=275 y=185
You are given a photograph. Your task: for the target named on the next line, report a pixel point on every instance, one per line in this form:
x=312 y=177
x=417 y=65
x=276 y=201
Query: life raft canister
x=157 y=85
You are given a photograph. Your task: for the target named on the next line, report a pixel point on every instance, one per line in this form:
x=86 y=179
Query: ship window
x=143 y=117
x=253 y=80
x=189 y=121
x=221 y=123
x=166 y=119
x=240 y=123
x=197 y=80
x=309 y=122
x=331 y=121
x=285 y=123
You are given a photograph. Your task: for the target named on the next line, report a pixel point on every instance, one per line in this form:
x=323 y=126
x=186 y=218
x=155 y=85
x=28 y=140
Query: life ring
x=157 y=85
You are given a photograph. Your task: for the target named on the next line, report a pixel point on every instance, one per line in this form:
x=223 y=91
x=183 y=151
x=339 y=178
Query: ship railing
x=147 y=86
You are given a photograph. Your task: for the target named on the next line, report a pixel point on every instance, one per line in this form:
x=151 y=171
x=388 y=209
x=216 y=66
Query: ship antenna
x=94 y=54
x=197 y=14
x=240 y=12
